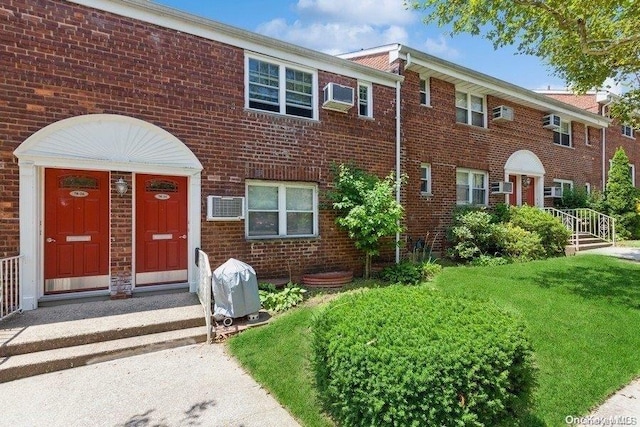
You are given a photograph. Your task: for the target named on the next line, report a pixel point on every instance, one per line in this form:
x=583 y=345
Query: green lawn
x=583 y=314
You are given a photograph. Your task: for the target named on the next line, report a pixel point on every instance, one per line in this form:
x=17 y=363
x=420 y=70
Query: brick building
x=133 y=133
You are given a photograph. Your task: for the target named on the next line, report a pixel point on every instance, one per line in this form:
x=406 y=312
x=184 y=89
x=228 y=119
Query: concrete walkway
x=198 y=385
x=632 y=254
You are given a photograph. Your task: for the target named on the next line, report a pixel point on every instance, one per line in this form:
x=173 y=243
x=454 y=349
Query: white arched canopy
x=524 y=162
x=106 y=142
x=115 y=142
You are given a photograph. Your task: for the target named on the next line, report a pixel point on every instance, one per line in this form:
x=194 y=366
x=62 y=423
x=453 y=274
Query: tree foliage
x=586 y=42
x=620 y=193
x=367 y=208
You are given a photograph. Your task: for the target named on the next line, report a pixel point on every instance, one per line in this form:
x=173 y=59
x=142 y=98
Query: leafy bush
x=553 y=235
x=573 y=198
x=471 y=234
x=518 y=243
x=430 y=269
x=405 y=272
x=282 y=300
x=401 y=356
x=490 y=261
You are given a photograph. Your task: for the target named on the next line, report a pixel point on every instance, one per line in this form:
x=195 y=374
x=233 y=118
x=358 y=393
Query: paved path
x=632 y=254
x=198 y=385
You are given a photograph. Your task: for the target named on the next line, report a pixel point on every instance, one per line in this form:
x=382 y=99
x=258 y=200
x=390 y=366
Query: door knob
x=184 y=236
x=50 y=240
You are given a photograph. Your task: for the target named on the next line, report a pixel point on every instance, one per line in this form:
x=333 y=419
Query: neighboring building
x=133 y=134
x=465 y=134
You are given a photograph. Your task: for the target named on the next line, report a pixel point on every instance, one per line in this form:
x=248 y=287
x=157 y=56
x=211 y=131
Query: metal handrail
x=204 y=289
x=10 y=286
x=569 y=221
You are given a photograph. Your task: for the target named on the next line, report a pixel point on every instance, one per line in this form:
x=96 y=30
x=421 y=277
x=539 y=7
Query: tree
x=586 y=42
x=367 y=208
x=620 y=192
x=620 y=196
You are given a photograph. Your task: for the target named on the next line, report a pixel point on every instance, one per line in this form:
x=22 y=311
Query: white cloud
x=371 y=12
x=333 y=37
x=440 y=47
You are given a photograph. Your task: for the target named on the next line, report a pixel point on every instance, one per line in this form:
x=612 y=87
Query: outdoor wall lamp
x=121 y=187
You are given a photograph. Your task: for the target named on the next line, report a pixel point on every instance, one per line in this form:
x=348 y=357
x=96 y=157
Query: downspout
x=398 y=177
x=604 y=144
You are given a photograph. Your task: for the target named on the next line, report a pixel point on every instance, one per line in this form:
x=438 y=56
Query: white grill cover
x=235 y=290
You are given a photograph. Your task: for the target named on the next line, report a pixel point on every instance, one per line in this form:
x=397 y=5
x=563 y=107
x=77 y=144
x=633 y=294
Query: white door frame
x=97 y=142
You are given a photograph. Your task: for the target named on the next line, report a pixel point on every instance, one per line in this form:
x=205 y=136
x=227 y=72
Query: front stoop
x=38 y=343
x=589 y=242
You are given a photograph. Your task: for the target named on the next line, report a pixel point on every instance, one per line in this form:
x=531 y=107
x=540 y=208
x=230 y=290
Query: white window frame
x=587 y=187
x=470 y=111
x=470 y=174
x=560 y=133
x=282 y=87
x=561 y=183
x=425 y=91
x=425 y=177
x=627 y=131
x=282 y=208
x=369 y=100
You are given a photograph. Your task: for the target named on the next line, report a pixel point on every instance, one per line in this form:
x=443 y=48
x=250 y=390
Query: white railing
x=595 y=224
x=10 y=286
x=585 y=221
x=204 y=290
x=569 y=221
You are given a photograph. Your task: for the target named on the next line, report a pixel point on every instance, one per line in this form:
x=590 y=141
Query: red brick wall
x=60 y=60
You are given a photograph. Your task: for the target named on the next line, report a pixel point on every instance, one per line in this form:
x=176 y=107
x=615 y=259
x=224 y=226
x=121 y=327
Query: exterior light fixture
x=121 y=187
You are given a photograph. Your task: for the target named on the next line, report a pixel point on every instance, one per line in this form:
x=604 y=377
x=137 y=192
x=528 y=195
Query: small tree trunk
x=367 y=266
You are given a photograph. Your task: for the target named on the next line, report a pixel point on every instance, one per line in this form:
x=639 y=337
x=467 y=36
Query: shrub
x=430 y=269
x=282 y=300
x=573 y=198
x=518 y=243
x=490 y=261
x=401 y=356
x=553 y=235
x=405 y=272
x=471 y=234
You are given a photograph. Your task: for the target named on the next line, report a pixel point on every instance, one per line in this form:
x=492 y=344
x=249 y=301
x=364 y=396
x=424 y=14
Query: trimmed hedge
x=401 y=356
x=553 y=235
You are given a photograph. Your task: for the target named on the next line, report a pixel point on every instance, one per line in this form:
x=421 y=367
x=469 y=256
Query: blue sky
x=339 y=26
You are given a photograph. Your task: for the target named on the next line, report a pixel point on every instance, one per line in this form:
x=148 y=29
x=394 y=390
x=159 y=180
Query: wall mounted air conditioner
x=551 y=121
x=220 y=208
x=502 y=113
x=553 y=192
x=502 y=187
x=337 y=97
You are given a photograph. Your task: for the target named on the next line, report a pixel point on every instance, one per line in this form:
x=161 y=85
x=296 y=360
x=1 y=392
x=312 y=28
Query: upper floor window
x=280 y=88
x=470 y=109
x=627 y=131
x=365 y=104
x=562 y=135
x=425 y=179
x=279 y=209
x=425 y=92
x=471 y=187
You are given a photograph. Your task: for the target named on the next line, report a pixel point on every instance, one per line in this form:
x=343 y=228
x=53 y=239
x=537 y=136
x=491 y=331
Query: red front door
x=529 y=193
x=76 y=230
x=161 y=229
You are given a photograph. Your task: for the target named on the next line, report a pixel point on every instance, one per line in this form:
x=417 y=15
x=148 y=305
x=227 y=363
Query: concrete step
x=594 y=245
x=40 y=362
x=22 y=339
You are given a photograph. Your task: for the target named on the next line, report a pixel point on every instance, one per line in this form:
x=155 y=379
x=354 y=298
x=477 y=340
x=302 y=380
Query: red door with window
x=161 y=229
x=76 y=230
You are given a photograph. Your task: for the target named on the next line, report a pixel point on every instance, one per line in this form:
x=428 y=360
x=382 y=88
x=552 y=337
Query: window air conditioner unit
x=553 y=192
x=221 y=208
x=502 y=187
x=502 y=113
x=551 y=121
x=338 y=97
